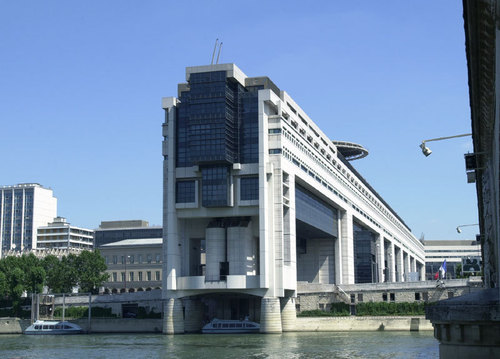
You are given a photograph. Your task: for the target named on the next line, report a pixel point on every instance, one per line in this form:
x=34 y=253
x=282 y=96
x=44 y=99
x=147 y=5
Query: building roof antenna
x=213 y=54
x=218 y=54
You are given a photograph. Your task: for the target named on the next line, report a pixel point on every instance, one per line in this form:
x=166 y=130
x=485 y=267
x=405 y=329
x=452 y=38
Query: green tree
x=34 y=273
x=90 y=268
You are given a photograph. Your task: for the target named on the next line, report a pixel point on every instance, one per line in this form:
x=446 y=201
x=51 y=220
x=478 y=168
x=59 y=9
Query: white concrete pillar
x=236 y=250
x=288 y=314
x=400 y=263
x=173 y=316
x=215 y=244
x=194 y=315
x=380 y=257
x=347 y=247
x=406 y=258
x=392 y=263
x=270 y=315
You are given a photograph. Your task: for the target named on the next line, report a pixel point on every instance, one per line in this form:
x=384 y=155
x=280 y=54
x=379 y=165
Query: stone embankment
x=312 y=324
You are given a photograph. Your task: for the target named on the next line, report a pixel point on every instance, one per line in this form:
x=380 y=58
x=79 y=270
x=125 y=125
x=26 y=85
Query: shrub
x=383 y=308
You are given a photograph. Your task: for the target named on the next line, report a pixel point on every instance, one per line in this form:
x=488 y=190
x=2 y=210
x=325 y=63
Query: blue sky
x=81 y=86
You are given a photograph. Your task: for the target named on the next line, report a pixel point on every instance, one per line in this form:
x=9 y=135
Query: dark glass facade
x=185 y=192
x=104 y=236
x=249 y=188
x=315 y=212
x=216 y=126
x=365 y=264
x=214 y=186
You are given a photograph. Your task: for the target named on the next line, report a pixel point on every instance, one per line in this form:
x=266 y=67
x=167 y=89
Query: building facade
x=134 y=265
x=114 y=231
x=258 y=198
x=455 y=252
x=23 y=208
x=59 y=234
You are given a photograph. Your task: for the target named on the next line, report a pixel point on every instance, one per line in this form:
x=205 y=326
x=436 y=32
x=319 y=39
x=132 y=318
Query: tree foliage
x=29 y=274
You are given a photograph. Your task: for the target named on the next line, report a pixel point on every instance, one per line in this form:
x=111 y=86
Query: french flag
x=441 y=270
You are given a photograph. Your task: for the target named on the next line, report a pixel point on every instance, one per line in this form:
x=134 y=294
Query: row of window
x=131 y=259
x=215 y=191
x=132 y=276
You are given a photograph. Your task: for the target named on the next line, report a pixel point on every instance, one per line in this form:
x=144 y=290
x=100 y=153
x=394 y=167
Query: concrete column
x=400 y=262
x=173 y=316
x=380 y=257
x=421 y=270
x=288 y=314
x=215 y=251
x=270 y=315
x=347 y=247
x=406 y=258
x=194 y=315
x=392 y=260
x=413 y=264
x=236 y=250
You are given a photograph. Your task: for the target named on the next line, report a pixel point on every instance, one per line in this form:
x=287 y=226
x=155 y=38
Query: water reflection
x=289 y=346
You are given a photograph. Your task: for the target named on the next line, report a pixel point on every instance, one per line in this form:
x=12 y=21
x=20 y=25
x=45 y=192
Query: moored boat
x=223 y=326
x=53 y=327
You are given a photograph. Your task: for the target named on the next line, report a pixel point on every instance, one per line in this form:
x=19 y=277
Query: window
x=185 y=192
x=123 y=259
x=274 y=130
x=115 y=277
x=393 y=297
x=425 y=296
x=214 y=185
x=360 y=297
x=353 y=298
x=417 y=296
x=139 y=258
x=131 y=276
x=249 y=188
x=131 y=259
x=148 y=275
x=149 y=258
x=140 y=276
x=115 y=259
x=106 y=259
x=384 y=297
x=157 y=275
x=158 y=258
x=321 y=306
x=274 y=151
x=123 y=276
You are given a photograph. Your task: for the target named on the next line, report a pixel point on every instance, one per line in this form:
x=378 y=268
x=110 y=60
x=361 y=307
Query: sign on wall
x=471 y=264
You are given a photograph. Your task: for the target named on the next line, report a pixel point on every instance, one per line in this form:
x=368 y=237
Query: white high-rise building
x=257 y=198
x=23 y=208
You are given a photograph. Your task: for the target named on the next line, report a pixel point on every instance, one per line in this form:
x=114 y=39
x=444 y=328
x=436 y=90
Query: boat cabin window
x=66 y=327
x=45 y=327
x=51 y=327
x=250 y=325
x=225 y=325
x=37 y=327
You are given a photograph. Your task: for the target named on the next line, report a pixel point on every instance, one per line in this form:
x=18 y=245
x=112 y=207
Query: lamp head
x=425 y=150
x=459 y=230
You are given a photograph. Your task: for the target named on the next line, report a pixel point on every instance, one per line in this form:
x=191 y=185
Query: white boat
x=222 y=326
x=44 y=327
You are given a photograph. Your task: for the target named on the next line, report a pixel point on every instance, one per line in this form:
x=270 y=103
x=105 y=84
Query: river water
x=348 y=345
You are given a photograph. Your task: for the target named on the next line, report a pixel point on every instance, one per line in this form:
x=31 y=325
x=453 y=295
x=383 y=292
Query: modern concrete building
x=134 y=265
x=60 y=234
x=23 y=208
x=453 y=251
x=114 y=231
x=257 y=198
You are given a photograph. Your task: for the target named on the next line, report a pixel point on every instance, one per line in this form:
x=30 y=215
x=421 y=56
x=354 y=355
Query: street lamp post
x=465 y=225
x=427 y=151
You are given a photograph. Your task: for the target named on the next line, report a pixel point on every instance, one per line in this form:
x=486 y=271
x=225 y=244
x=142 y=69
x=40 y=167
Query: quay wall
x=310 y=324
x=362 y=324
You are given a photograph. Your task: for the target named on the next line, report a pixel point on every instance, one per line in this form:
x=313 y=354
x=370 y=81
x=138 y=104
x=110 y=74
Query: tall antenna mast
x=218 y=54
x=213 y=54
